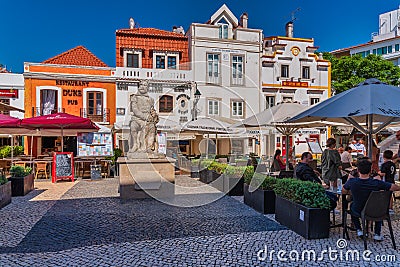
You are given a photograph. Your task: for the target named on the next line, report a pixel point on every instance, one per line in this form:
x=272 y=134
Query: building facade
x=292 y=72
x=161 y=58
x=74 y=82
x=225 y=62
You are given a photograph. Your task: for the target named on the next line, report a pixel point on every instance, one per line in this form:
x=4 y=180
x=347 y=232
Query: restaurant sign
x=294 y=84
x=9 y=93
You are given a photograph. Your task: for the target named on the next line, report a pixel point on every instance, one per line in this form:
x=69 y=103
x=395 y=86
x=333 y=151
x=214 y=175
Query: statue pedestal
x=146 y=178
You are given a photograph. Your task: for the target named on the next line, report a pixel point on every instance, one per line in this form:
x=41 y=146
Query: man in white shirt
x=353 y=148
x=346 y=157
x=361 y=151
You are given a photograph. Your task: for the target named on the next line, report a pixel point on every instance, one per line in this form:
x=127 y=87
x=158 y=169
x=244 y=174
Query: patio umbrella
x=370 y=107
x=60 y=121
x=10 y=125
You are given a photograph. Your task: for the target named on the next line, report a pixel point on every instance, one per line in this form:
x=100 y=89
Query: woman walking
x=331 y=163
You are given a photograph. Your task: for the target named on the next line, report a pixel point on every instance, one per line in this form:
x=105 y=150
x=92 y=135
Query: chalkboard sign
x=63 y=166
x=315 y=147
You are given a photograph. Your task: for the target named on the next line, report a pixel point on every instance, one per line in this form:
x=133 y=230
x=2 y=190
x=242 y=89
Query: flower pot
x=310 y=223
x=5 y=194
x=261 y=200
x=20 y=186
x=194 y=172
x=233 y=186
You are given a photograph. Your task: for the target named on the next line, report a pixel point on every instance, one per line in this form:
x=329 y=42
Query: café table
x=345 y=205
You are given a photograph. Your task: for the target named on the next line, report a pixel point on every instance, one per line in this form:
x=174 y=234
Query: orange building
x=74 y=82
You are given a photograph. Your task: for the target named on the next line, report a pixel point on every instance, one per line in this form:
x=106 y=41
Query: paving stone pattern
x=85 y=224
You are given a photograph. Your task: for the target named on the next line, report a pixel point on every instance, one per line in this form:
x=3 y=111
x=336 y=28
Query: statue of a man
x=143 y=129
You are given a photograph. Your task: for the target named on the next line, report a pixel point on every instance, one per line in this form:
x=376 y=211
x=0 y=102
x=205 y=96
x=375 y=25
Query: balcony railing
x=37 y=111
x=154 y=74
x=96 y=115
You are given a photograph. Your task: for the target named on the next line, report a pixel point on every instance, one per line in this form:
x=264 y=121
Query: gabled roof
x=78 y=56
x=224 y=12
x=151 y=32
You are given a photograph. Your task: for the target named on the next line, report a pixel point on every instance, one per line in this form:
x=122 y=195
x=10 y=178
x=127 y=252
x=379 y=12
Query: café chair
x=41 y=166
x=376 y=209
x=20 y=163
x=286 y=174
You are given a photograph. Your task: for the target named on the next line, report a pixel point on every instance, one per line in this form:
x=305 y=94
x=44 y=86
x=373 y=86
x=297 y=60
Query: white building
x=225 y=62
x=385 y=42
x=12 y=92
x=292 y=72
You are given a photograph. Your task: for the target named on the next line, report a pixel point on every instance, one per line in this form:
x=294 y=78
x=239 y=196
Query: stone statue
x=143 y=121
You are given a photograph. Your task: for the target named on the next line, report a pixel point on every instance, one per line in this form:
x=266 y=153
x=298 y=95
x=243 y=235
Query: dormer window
x=133 y=58
x=223 y=31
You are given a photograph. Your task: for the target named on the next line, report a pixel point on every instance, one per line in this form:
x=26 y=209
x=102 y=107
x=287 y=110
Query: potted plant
x=215 y=171
x=194 y=168
x=303 y=207
x=5 y=191
x=262 y=198
x=203 y=170
x=22 y=180
x=234 y=179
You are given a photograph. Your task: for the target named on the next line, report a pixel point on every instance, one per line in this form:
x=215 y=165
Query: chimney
x=289 y=29
x=243 y=20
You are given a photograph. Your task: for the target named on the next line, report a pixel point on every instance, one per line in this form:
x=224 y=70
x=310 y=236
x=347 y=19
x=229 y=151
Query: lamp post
x=197 y=95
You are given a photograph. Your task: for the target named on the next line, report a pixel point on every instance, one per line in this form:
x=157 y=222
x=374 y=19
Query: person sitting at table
x=278 y=164
x=303 y=170
x=305 y=173
x=346 y=157
x=360 y=189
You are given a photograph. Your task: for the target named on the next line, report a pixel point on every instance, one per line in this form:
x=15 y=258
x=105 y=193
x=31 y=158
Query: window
x=95 y=103
x=287 y=99
x=305 y=74
x=213 y=107
x=396 y=47
x=171 y=62
x=237 y=70
x=269 y=101
x=7 y=102
x=213 y=68
x=285 y=71
x=223 y=31
x=237 y=108
x=379 y=51
x=166 y=103
x=389 y=48
x=374 y=51
x=48 y=102
x=314 y=100
x=132 y=60
x=160 y=62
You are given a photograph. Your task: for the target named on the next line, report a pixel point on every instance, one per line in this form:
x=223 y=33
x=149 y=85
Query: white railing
x=154 y=74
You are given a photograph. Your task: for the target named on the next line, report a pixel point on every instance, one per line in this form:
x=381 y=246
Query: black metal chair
x=376 y=209
x=286 y=174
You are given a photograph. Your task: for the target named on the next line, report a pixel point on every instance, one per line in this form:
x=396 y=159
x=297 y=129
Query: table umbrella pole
x=287 y=152
x=62 y=139
x=370 y=119
x=31 y=146
x=12 y=149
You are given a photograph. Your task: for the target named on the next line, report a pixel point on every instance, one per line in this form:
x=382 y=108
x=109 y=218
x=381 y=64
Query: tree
x=349 y=71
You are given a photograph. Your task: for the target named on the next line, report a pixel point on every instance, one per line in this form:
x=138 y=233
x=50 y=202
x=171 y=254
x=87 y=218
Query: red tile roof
x=151 y=32
x=78 y=56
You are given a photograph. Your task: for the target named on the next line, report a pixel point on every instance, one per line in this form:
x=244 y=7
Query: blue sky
x=33 y=31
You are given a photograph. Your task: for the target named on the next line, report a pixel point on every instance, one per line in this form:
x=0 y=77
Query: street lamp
x=197 y=95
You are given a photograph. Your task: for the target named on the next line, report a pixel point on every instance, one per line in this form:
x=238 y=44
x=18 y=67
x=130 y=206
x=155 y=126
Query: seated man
x=305 y=173
x=303 y=170
x=360 y=188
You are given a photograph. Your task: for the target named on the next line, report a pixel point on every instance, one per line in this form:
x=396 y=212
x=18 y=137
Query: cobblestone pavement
x=85 y=224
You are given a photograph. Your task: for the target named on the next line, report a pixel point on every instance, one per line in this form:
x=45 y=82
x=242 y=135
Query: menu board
x=315 y=147
x=95 y=144
x=63 y=166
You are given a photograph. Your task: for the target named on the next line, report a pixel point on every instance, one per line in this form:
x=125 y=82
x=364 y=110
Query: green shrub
x=265 y=182
x=306 y=193
x=117 y=154
x=5 y=151
x=248 y=173
x=19 y=171
x=3 y=180
x=233 y=171
x=217 y=167
x=195 y=162
x=204 y=163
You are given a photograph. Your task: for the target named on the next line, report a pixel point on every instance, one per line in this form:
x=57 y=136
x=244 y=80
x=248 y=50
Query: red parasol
x=9 y=122
x=60 y=121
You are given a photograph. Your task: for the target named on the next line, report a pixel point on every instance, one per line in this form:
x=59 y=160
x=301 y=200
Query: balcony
x=154 y=74
x=37 y=111
x=96 y=115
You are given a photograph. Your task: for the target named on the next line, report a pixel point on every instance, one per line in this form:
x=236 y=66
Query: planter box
x=310 y=223
x=261 y=200
x=233 y=186
x=5 y=194
x=20 y=186
x=207 y=176
x=194 y=172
